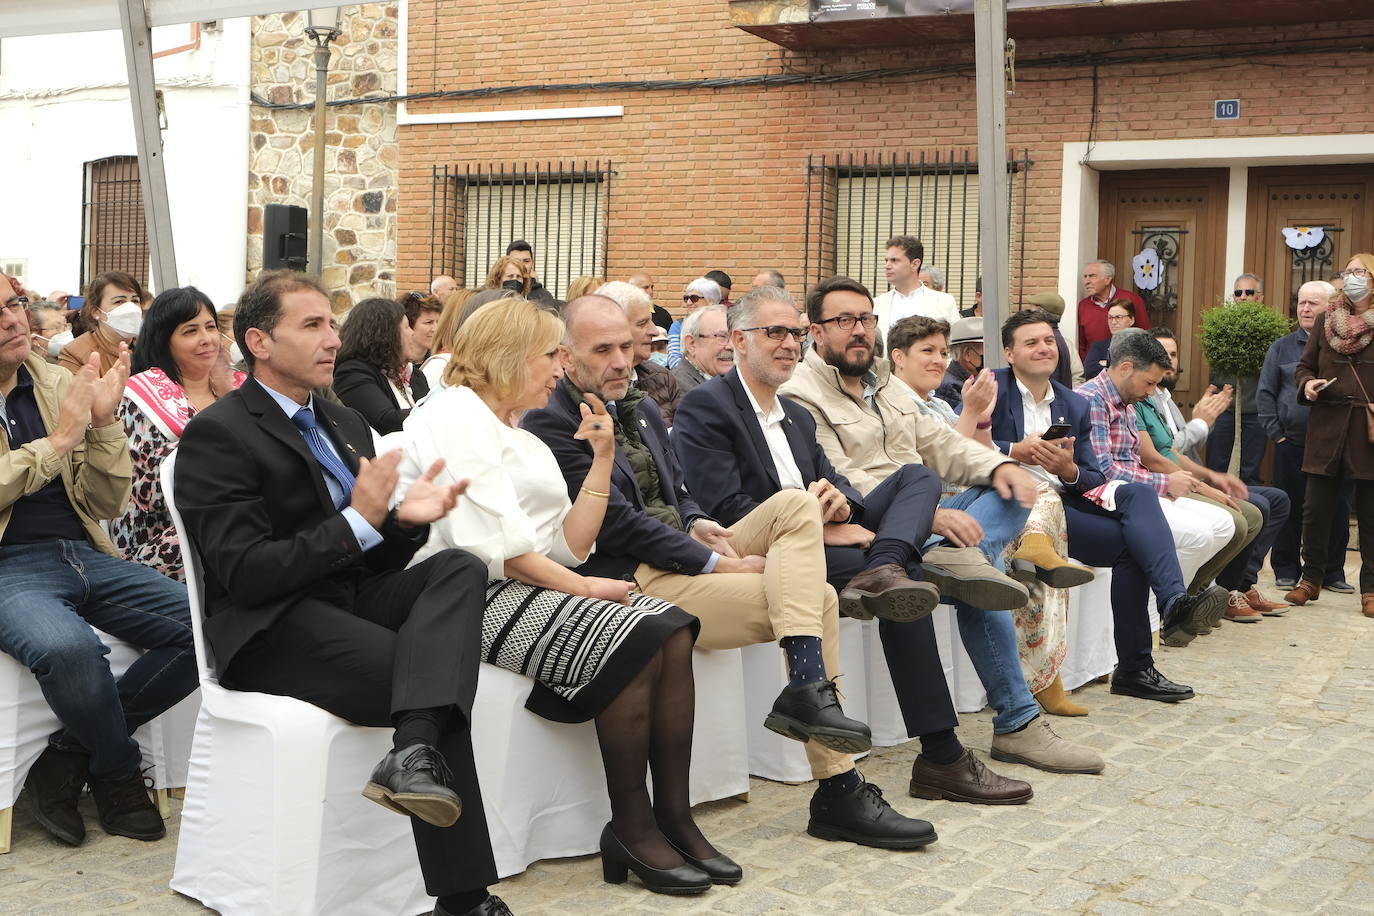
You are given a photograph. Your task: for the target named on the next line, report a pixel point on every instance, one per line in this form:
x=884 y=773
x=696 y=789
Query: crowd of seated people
x=556 y=501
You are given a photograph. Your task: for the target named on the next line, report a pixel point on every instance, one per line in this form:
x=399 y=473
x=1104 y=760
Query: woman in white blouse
x=594 y=649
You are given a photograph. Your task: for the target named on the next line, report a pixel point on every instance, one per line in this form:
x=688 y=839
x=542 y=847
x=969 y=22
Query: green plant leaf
x=1237 y=335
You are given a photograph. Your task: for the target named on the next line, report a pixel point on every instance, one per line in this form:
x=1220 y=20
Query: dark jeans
x=1286 y=559
x=1242 y=572
x=903 y=507
x=1136 y=543
x=413 y=640
x=51 y=595
x=1322 y=503
x=1252 y=443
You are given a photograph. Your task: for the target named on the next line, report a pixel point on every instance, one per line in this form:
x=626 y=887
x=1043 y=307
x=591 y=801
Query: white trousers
x=1200 y=531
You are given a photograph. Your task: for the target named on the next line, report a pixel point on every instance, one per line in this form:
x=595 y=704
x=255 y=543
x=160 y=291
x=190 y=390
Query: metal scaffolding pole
x=994 y=212
x=152 y=177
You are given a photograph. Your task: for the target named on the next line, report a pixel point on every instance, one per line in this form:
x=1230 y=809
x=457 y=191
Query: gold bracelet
x=596 y=493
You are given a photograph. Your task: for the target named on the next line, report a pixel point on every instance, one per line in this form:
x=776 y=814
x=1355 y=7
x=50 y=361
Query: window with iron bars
x=560 y=209
x=855 y=202
x=113 y=234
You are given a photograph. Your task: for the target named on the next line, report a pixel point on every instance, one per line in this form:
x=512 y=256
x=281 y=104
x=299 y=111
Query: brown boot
x=1305 y=592
x=1367 y=604
x=1037 y=560
x=1055 y=702
x=887 y=592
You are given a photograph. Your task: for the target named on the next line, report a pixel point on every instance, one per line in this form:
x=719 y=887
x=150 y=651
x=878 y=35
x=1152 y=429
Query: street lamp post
x=322 y=27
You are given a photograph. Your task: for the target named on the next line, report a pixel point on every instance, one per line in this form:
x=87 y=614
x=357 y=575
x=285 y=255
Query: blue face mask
x=660 y=358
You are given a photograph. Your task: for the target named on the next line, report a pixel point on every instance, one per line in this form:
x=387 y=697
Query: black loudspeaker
x=284 y=230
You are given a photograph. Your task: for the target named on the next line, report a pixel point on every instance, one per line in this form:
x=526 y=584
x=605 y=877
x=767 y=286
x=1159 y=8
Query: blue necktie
x=332 y=464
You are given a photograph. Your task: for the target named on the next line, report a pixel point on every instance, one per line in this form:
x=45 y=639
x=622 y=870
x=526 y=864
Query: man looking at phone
x=1130 y=534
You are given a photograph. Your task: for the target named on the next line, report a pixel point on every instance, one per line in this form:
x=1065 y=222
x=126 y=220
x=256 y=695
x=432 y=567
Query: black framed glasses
x=1354 y=272
x=847 y=322
x=779 y=331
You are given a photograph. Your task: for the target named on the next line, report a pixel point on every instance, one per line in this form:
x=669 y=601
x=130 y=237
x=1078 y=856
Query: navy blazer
x=629 y=536
x=1009 y=426
x=722 y=451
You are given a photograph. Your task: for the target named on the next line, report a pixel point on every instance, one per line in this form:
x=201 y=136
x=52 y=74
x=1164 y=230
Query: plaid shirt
x=1114 y=438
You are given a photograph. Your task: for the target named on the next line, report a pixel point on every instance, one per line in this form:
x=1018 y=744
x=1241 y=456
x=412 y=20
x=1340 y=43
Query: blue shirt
x=48 y=514
x=367 y=535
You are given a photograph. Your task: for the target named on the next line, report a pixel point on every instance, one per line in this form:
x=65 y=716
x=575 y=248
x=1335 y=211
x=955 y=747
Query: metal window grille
x=560 y=209
x=113 y=234
x=857 y=201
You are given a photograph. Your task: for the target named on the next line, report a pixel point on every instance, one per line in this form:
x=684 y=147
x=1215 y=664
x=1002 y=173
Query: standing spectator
x=506 y=273
x=442 y=286
x=180 y=367
x=47 y=320
x=966 y=344
x=112 y=315
x=1333 y=375
x=1099 y=284
x=422 y=314
x=442 y=348
x=722 y=279
x=768 y=278
x=645 y=281
x=902 y=267
x=1247 y=288
x=524 y=253
x=706 y=348
x=648 y=376
x=583 y=286
x=1285 y=422
x=1120 y=316
x=373 y=375
x=1068 y=371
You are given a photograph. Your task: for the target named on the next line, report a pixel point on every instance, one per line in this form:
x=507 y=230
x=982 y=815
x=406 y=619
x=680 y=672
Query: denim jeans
x=989 y=637
x=51 y=594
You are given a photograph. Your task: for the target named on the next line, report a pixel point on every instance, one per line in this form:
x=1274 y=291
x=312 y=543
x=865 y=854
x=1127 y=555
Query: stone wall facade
x=361 y=156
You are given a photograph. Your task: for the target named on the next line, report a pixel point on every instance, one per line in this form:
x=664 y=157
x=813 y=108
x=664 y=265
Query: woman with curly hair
x=373 y=374
x=510 y=270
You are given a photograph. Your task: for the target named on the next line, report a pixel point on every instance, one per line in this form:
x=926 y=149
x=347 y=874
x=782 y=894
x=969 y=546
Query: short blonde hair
x=492 y=348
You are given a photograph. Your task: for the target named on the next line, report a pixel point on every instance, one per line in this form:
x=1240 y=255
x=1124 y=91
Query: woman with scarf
x=1335 y=376
x=180 y=366
x=374 y=373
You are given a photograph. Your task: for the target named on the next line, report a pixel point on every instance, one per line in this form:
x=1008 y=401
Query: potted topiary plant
x=1235 y=338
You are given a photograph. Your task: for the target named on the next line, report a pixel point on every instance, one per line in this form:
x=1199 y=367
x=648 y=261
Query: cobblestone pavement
x=1255 y=797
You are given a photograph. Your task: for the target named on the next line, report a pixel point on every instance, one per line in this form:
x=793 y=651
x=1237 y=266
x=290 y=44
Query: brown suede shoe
x=1264 y=605
x=1305 y=592
x=1239 y=610
x=887 y=592
x=966 y=780
x=1367 y=604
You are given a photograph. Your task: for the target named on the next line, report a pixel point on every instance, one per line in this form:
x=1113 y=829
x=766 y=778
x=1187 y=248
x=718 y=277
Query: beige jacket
x=96 y=474
x=867 y=447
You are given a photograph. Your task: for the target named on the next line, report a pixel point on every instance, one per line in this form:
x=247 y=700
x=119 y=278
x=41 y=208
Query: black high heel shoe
x=617 y=862
x=721 y=869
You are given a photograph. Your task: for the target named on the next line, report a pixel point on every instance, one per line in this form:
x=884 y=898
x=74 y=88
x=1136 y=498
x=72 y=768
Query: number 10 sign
x=1226 y=110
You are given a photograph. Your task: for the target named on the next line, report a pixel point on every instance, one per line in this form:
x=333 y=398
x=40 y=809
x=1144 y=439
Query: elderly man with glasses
x=701 y=291
x=706 y=348
x=1247 y=288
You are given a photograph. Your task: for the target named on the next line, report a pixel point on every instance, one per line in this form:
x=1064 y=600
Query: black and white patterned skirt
x=582 y=651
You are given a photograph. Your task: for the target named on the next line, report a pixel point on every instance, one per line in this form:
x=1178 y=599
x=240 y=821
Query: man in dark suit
x=656 y=536
x=1132 y=537
x=306 y=590
x=739 y=443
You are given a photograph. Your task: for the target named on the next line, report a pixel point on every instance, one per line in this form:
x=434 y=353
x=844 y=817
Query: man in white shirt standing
x=908 y=297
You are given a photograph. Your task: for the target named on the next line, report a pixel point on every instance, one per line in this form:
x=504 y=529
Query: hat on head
x=659 y=334
x=1051 y=302
x=966 y=330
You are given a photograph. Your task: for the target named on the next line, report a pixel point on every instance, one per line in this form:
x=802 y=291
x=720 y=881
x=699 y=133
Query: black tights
x=649 y=727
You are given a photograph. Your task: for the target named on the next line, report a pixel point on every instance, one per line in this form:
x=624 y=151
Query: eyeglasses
x=847 y=322
x=1238 y=293
x=692 y=298
x=722 y=336
x=1354 y=272
x=780 y=331
x=16 y=305
x=1127 y=317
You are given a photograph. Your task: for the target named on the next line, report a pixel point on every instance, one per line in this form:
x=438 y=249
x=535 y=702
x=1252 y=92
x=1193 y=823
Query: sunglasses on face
x=1237 y=293
x=692 y=298
x=780 y=331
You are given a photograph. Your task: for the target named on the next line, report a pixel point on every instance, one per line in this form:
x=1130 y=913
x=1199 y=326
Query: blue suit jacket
x=725 y=458
x=1009 y=426
x=629 y=536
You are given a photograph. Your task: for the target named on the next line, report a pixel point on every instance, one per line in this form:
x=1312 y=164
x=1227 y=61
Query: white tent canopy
x=54 y=17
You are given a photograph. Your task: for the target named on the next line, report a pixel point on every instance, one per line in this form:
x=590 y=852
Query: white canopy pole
x=157 y=215
x=994 y=210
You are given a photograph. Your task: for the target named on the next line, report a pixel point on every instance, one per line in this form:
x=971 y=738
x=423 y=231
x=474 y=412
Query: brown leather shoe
x=1239 y=610
x=887 y=592
x=1367 y=604
x=966 y=780
x=1264 y=605
x=1305 y=592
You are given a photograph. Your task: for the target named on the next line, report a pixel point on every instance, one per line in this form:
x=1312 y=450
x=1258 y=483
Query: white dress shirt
x=892 y=306
x=789 y=475
x=1036 y=417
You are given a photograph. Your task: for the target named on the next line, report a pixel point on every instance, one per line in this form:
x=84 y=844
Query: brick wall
x=716 y=178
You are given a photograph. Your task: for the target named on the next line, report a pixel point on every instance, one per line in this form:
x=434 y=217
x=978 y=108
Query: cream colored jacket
x=867 y=446
x=96 y=474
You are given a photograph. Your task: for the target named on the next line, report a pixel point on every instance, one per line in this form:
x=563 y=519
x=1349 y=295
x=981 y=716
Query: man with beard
x=869 y=426
x=1189 y=435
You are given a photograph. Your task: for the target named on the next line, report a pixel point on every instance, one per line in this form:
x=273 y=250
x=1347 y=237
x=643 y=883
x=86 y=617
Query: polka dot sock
x=804 y=664
x=836 y=786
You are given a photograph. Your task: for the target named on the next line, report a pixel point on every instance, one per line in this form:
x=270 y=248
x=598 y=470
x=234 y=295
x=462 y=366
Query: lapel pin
x=644 y=423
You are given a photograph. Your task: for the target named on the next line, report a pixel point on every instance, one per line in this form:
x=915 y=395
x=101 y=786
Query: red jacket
x=1092 y=319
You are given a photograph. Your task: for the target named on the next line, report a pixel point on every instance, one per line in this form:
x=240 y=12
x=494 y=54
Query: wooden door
x=1326 y=210
x=1180 y=215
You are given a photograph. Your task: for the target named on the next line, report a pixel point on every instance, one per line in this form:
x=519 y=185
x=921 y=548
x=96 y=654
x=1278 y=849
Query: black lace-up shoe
x=414 y=780
x=864 y=817
x=54 y=787
x=126 y=809
x=811 y=712
x=1149 y=685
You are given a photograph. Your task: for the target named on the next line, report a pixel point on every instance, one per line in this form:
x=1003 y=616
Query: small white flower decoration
x=1148 y=271
x=1300 y=237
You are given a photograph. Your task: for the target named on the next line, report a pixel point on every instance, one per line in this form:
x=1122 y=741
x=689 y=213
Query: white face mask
x=58 y=341
x=1355 y=287
x=125 y=320
x=235 y=354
